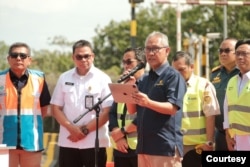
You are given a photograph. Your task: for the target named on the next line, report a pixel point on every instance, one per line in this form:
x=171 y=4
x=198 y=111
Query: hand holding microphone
x=132 y=72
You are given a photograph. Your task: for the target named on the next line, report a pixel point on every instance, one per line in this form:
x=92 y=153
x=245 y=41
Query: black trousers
x=220 y=141
x=72 y=157
x=125 y=161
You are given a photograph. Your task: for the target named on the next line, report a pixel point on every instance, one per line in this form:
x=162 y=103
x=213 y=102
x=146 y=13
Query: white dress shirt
x=70 y=93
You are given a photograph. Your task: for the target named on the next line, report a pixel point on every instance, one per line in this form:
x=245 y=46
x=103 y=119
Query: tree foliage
x=111 y=40
x=209 y=19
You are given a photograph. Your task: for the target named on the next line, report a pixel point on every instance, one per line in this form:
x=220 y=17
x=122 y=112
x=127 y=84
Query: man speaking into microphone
x=158 y=107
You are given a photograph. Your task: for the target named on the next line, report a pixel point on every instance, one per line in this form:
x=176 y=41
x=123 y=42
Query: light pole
x=133 y=24
x=202 y=2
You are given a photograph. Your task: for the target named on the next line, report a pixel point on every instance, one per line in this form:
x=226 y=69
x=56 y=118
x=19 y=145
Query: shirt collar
x=224 y=69
x=13 y=75
x=162 y=68
x=90 y=72
x=191 y=80
x=246 y=75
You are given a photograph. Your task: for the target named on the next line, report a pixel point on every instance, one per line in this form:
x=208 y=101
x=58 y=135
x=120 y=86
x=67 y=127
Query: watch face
x=209 y=143
x=85 y=130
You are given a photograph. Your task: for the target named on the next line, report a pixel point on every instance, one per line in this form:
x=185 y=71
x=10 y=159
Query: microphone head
x=141 y=65
x=132 y=72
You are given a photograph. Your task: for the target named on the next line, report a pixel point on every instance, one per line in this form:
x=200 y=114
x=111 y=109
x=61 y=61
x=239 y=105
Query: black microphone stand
x=95 y=107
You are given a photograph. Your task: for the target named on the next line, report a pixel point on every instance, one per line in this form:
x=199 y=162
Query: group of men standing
x=174 y=108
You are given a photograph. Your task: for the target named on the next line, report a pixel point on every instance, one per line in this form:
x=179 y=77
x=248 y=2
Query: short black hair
x=81 y=43
x=182 y=54
x=139 y=53
x=17 y=45
x=242 y=42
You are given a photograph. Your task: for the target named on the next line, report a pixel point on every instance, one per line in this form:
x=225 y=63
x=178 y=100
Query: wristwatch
x=85 y=130
x=209 y=143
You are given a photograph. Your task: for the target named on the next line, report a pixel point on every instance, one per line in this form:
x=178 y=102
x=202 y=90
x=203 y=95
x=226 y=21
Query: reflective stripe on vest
x=30 y=112
x=238 y=108
x=131 y=137
x=193 y=120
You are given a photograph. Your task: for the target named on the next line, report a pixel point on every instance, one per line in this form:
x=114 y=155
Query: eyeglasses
x=128 y=61
x=227 y=50
x=153 y=49
x=241 y=53
x=15 y=55
x=80 y=57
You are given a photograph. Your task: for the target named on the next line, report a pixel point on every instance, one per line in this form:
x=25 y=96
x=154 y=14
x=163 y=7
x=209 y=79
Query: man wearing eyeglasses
x=76 y=91
x=159 y=107
x=236 y=104
x=219 y=77
x=23 y=104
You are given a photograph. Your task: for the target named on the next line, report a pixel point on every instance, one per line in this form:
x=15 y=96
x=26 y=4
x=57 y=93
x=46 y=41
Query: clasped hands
x=75 y=133
x=120 y=140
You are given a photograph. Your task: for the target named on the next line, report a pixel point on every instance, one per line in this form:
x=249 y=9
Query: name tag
x=69 y=83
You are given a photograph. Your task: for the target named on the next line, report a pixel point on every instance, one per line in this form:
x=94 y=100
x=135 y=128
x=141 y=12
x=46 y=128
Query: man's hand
x=122 y=145
x=230 y=142
x=75 y=133
x=117 y=134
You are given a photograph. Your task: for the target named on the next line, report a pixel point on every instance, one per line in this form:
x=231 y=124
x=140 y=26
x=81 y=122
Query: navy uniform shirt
x=160 y=134
x=219 y=77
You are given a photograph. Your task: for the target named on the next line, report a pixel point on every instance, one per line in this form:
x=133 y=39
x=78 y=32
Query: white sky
x=34 y=21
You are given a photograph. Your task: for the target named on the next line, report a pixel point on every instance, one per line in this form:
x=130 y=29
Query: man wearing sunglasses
x=122 y=125
x=24 y=99
x=76 y=91
x=219 y=77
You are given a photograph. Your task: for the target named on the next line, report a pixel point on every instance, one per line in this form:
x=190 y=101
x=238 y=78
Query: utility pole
x=133 y=24
x=202 y=2
x=178 y=33
x=225 y=21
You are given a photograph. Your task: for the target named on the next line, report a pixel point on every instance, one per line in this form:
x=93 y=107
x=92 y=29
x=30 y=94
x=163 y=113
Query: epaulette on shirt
x=216 y=68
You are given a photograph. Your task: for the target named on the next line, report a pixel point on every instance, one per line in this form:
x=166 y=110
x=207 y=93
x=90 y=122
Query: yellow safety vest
x=131 y=137
x=238 y=108
x=193 y=120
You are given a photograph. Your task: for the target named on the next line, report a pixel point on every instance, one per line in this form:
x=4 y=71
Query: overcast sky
x=34 y=21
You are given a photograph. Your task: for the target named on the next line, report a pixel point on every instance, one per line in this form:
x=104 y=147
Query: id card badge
x=89 y=100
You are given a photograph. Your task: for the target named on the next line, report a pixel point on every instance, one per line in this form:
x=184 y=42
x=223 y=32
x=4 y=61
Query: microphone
x=132 y=72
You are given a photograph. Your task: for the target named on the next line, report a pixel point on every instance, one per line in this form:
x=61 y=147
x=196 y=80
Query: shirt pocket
x=69 y=93
x=192 y=101
x=96 y=92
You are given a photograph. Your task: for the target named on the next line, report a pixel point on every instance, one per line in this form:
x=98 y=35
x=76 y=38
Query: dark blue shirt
x=160 y=134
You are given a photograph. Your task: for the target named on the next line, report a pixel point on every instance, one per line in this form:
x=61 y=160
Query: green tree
x=3 y=55
x=209 y=19
x=111 y=40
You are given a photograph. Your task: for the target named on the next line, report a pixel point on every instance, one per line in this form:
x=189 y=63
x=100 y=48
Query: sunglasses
x=15 y=55
x=80 y=57
x=227 y=50
x=128 y=62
